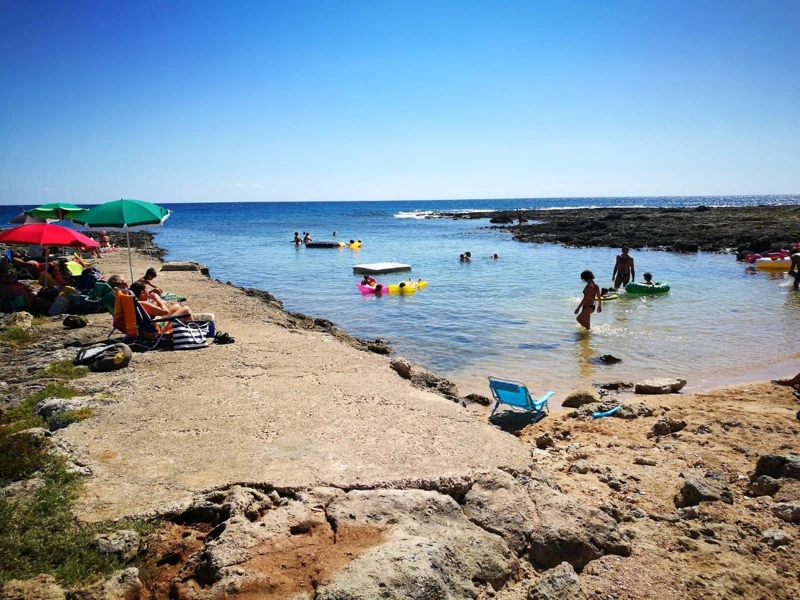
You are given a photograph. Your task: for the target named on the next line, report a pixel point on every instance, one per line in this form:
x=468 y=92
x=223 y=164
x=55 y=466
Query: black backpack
x=105 y=358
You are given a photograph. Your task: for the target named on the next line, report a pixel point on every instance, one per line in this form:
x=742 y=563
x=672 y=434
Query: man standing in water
x=795 y=269
x=624 y=272
x=591 y=293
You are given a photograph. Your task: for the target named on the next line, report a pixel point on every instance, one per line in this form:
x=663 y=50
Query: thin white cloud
x=237 y=186
x=258 y=186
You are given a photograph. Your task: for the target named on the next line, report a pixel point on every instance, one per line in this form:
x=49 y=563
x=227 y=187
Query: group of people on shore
x=149 y=295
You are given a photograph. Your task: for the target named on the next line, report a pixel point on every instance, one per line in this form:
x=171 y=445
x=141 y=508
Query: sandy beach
x=295 y=446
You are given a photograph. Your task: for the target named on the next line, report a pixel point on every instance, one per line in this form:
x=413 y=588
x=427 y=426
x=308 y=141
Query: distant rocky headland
x=702 y=228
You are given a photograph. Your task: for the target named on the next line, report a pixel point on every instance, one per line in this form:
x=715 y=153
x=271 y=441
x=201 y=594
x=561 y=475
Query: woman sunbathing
x=155 y=306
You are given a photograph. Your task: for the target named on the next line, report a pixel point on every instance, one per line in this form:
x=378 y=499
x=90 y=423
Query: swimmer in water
x=587 y=306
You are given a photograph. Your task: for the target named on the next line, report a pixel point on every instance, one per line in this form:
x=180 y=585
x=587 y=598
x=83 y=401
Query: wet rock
x=41 y=587
x=659 y=386
x=21 y=319
x=775 y=537
x=499 y=504
x=75 y=321
x=665 y=426
x=787 y=511
x=606 y=359
x=544 y=440
x=695 y=491
x=777 y=466
x=560 y=583
x=379 y=346
x=122 y=584
x=478 y=399
x=645 y=460
x=763 y=485
x=428 y=381
x=615 y=385
x=571 y=531
x=580 y=397
x=123 y=543
x=402 y=366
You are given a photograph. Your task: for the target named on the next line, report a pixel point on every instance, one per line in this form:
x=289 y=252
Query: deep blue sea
x=511 y=317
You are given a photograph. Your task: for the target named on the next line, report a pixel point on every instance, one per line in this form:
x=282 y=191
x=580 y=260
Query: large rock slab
x=787 y=511
x=499 y=504
x=695 y=491
x=431 y=550
x=180 y=266
x=659 y=386
x=570 y=531
x=560 y=583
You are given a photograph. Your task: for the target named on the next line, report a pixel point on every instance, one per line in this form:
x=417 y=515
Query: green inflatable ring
x=635 y=287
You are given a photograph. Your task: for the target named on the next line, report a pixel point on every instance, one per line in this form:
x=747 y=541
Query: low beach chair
x=146 y=333
x=516 y=395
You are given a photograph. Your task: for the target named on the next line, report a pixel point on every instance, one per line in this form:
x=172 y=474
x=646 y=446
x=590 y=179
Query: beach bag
x=87 y=279
x=190 y=336
x=105 y=358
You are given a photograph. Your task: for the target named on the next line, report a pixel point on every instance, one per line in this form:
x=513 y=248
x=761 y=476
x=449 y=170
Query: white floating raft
x=376 y=268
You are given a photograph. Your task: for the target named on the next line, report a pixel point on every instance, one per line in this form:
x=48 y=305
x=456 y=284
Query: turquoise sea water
x=511 y=317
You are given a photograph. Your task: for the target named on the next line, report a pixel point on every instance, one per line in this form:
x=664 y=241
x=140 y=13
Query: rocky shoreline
x=738 y=230
x=302 y=463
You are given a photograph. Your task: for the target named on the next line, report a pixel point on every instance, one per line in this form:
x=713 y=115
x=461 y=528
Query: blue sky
x=209 y=101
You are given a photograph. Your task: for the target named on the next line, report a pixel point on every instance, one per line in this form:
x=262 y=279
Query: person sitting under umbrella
x=21 y=296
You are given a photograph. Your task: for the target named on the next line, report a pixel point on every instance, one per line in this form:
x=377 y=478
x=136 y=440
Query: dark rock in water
x=502 y=219
x=606 y=359
x=665 y=426
x=478 y=399
x=695 y=491
x=379 y=346
x=261 y=295
x=560 y=583
x=685 y=247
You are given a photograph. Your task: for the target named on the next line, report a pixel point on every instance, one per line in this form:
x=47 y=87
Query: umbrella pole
x=130 y=260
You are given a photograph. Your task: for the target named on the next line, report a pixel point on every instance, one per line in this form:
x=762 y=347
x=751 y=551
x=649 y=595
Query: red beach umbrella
x=45 y=234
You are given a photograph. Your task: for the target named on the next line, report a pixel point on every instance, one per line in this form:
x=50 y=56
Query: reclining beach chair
x=516 y=395
x=22 y=272
x=143 y=332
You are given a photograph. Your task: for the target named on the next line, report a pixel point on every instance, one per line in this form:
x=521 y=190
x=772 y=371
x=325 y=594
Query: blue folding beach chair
x=516 y=394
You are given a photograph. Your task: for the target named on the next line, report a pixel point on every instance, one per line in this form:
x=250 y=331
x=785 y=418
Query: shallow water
x=511 y=317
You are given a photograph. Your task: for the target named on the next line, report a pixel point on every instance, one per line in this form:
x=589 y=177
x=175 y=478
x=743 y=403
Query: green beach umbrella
x=124 y=215
x=58 y=211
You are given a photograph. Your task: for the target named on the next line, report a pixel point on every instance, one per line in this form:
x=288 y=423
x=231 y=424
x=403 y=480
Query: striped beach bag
x=190 y=336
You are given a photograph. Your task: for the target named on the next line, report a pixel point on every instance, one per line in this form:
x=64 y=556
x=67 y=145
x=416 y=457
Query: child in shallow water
x=648 y=279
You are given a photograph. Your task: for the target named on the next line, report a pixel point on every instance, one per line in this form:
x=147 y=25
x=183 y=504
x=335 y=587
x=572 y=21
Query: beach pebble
x=775 y=538
x=787 y=511
x=544 y=440
x=478 y=399
x=644 y=460
x=665 y=426
x=21 y=319
x=75 y=321
x=659 y=386
x=763 y=485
